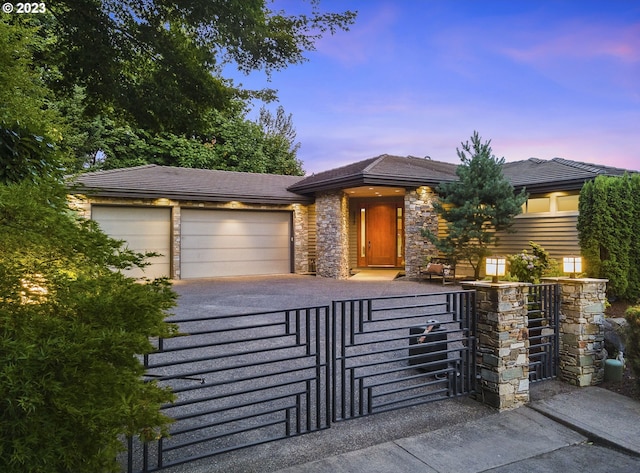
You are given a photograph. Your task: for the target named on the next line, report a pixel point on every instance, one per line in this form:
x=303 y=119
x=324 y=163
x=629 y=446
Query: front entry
x=380 y=238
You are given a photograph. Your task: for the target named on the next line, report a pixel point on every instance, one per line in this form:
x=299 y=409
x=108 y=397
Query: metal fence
x=543 y=312
x=244 y=380
x=240 y=380
x=395 y=352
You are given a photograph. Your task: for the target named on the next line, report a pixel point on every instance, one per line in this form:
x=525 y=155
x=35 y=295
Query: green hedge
x=608 y=226
x=632 y=339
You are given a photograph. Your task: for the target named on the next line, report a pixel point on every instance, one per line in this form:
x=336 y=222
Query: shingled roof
x=540 y=175
x=384 y=170
x=152 y=181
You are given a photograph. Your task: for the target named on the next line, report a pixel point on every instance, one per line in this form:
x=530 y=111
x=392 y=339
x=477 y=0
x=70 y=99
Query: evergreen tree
x=474 y=207
x=607 y=232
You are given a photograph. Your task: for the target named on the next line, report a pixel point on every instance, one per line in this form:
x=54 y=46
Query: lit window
x=567 y=203
x=538 y=205
x=363 y=233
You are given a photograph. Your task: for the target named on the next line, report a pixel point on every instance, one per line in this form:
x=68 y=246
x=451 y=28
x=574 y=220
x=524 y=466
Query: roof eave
x=543 y=187
x=360 y=180
x=181 y=196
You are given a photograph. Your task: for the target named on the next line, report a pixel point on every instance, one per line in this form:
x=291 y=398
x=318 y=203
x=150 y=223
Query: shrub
x=632 y=336
x=71 y=332
x=530 y=267
x=607 y=230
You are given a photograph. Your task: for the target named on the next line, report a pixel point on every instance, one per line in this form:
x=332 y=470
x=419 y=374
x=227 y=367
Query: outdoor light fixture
x=495 y=267
x=572 y=265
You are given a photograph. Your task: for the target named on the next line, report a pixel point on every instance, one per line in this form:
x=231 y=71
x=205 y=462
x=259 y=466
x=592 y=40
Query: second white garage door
x=234 y=243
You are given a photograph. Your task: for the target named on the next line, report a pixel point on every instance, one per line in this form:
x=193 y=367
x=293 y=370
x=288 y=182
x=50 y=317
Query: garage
x=234 y=243
x=144 y=229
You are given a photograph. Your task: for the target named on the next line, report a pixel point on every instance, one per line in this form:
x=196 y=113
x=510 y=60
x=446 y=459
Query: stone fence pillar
x=582 y=330
x=503 y=343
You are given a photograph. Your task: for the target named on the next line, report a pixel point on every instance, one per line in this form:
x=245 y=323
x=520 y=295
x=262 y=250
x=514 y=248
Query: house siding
x=557 y=234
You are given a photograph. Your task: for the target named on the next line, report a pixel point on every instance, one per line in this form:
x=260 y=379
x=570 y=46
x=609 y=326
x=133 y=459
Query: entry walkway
x=590 y=429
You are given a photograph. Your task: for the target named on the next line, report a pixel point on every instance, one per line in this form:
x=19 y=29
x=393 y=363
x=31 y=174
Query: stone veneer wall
x=582 y=352
x=503 y=343
x=301 y=238
x=332 y=222
x=300 y=222
x=419 y=214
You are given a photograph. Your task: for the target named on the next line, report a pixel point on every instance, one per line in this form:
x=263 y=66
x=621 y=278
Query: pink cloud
x=580 y=40
x=369 y=38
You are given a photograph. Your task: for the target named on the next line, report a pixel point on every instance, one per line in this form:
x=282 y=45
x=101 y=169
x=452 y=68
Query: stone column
x=503 y=343
x=332 y=217
x=582 y=351
x=418 y=215
x=300 y=238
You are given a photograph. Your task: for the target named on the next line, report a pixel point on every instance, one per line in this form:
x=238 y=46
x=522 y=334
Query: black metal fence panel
x=394 y=352
x=243 y=380
x=240 y=380
x=543 y=312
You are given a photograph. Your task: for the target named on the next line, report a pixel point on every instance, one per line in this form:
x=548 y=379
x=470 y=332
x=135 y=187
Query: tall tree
x=607 y=231
x=280 y=145
x=474 y=207
x=25 y=97
x=234 y=144
x=158 y=62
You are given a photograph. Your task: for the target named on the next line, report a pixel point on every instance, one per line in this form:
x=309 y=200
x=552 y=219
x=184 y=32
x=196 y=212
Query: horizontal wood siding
x=556 y=234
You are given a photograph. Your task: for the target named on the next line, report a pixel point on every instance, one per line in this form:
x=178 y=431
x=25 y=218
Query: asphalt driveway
x=237 y=295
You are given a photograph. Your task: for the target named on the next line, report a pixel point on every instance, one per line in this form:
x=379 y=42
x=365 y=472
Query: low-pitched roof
x=541 y=175
x=536 y=175
x=153 y=181
x=384 y=170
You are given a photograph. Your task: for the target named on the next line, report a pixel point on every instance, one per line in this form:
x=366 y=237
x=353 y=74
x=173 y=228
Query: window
x=567 y=203
x=538 y=205
x=551 y=204
x=363 y=233
x=399 y=231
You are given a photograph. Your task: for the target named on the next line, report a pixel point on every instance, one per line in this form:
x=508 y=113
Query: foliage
x=70 y=331
x=157 y=63
x=607 y=230
x=474 y=207
x=150 y=79
x=235 y=144
x=24 y=155
x=24 y=95
x=632 y=340
x=530 y=267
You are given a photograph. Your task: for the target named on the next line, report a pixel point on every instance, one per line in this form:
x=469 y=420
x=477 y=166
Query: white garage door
x=234 y=243
x=143 y=230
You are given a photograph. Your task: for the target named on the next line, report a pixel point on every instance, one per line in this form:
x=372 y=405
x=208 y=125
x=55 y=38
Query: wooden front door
x=380 y=234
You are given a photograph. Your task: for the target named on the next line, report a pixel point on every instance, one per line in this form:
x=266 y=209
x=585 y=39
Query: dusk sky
x=539 y=78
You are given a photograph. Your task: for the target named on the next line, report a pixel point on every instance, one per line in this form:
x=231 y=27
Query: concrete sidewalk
x=590 y=429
